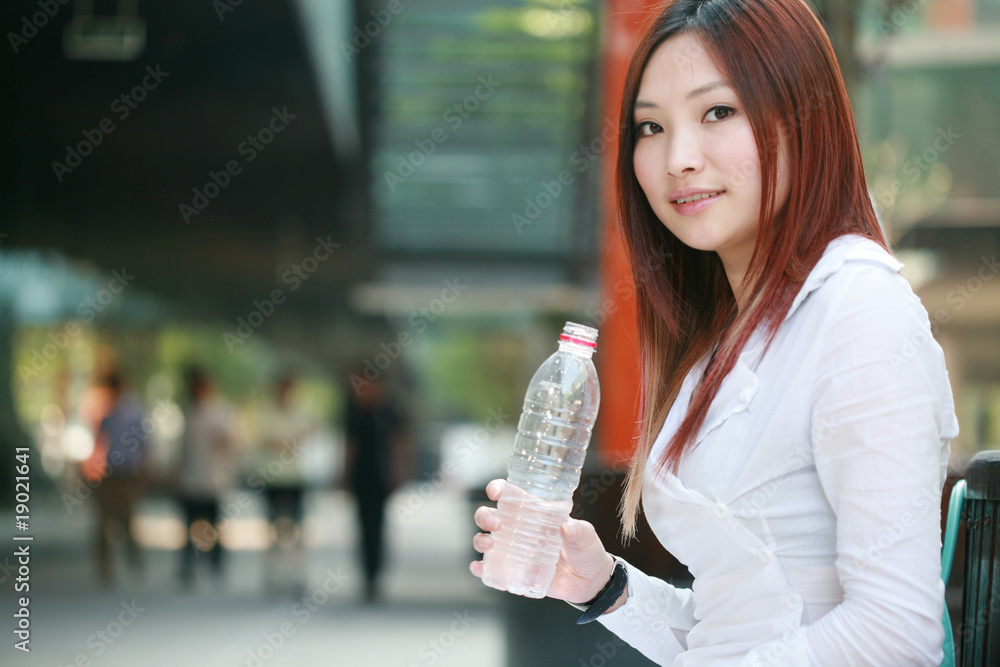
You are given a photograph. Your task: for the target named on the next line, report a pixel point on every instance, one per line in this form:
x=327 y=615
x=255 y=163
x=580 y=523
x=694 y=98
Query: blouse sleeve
x=882 y=417
x=656 y=618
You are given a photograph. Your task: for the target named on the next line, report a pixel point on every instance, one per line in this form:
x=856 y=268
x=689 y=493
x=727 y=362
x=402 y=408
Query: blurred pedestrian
x=376 y=437
x=285 y=429
x=119 y=463
x=205 y=470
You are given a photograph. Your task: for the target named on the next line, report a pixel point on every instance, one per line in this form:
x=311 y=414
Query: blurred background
x=258 y=241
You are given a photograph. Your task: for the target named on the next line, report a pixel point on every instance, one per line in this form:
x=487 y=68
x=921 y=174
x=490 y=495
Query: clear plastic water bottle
x=560 y=407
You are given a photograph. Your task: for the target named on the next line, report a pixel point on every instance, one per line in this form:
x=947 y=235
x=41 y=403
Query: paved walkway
x=433 y=611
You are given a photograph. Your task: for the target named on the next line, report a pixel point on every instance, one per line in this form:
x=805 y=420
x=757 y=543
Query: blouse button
x=794 y=601
x=720 y=510
x=764 y=554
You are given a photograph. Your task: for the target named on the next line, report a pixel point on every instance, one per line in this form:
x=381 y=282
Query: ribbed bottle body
x=557 y=419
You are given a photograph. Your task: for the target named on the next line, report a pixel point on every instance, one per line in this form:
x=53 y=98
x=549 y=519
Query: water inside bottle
x=527 y=545
x=560 y=406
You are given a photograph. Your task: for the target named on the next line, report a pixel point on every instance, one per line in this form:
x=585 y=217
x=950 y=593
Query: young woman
x=793 y=445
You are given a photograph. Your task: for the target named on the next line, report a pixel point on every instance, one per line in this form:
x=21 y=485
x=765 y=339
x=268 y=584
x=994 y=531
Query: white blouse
x=808 y=510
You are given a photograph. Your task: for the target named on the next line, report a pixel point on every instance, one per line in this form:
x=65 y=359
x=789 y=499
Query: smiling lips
x=690 y=204
x=696 y=197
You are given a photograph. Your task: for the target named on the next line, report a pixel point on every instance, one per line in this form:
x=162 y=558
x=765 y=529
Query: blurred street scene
x=431 y=612
x=274 y=277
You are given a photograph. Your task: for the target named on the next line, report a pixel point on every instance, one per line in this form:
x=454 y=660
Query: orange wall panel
x=618 y=362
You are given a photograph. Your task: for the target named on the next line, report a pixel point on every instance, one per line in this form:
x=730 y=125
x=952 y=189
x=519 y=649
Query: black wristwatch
x=606 y=597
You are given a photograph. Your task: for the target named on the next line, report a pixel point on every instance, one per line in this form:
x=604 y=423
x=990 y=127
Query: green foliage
x=472 y=371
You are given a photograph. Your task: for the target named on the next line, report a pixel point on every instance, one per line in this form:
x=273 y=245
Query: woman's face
x=696 y=158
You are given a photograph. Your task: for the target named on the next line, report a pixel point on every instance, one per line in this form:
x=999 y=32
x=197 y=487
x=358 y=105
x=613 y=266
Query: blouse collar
x=850 y=247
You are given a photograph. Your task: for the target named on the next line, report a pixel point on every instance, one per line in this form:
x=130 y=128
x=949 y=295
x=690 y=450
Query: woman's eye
x=720 y=112
x=647 y=128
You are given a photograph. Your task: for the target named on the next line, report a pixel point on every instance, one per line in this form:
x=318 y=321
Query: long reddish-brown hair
x=779 y=60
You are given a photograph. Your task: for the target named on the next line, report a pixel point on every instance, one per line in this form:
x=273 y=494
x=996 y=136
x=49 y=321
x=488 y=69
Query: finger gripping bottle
x=560 y=407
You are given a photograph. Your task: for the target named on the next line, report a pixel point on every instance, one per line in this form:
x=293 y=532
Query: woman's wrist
x=622 y=599
x=601 y=582
x=597 y=585
x=611 y=596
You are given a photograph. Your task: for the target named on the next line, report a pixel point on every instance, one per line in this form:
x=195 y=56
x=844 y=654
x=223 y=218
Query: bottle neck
x=578 y=349
x=578 y=339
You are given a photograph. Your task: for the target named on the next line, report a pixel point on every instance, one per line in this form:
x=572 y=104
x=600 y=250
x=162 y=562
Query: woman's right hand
x=584 y=566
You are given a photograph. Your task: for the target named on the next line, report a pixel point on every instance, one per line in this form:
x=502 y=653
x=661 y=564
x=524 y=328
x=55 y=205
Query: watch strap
x=605 y=599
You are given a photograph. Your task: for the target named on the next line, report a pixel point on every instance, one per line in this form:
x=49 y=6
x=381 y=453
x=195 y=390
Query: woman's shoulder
x=856 y=275
x=859 y=307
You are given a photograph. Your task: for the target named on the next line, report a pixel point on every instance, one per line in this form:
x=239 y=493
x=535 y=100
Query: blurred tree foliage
x=472 y=371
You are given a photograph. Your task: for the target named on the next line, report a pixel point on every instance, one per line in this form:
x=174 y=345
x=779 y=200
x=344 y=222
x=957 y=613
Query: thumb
x=586 y=558
x=579 y=534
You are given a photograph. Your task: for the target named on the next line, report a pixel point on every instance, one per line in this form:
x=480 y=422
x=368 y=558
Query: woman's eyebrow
x=700 y=90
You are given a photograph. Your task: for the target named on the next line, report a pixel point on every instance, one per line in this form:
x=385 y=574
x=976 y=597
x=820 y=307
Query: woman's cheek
x=645 y=169
x=747 y=171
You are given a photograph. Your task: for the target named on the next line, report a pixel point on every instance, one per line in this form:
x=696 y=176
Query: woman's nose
x=684 y=154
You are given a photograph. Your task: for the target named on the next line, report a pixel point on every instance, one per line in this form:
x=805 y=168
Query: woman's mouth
x=696 y=203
